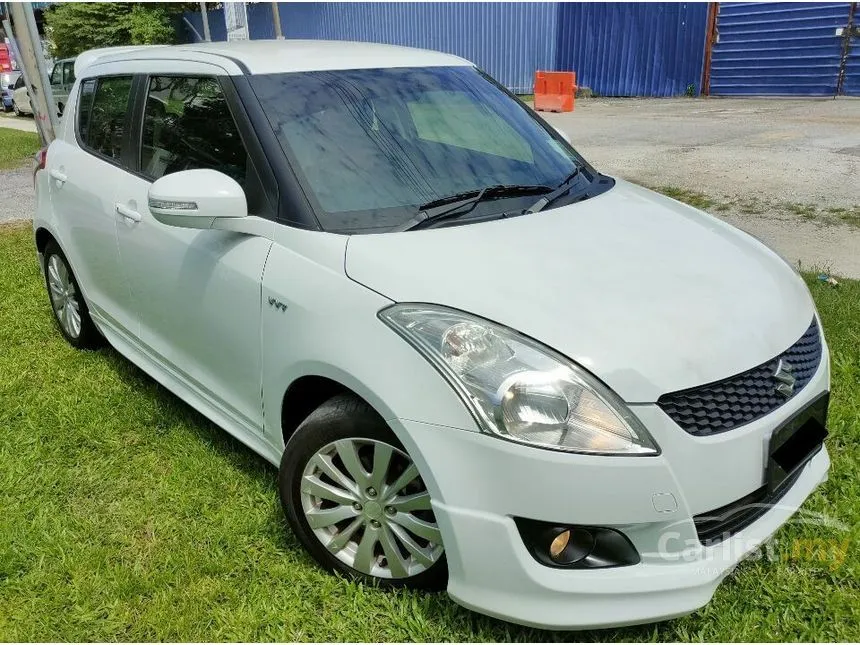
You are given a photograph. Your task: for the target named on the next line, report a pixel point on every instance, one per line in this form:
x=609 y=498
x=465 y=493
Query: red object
x=41 y=162
x=5 y=59
x=555 y=91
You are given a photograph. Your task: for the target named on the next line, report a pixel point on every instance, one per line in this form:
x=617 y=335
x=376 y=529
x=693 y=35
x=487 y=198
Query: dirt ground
x=785 y=170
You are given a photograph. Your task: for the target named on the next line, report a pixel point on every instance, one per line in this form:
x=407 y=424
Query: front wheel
x=16 y=109
x=355 y=499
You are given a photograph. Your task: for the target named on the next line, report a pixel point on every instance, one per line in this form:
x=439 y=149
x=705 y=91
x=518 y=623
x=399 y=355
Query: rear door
x=57 y=87
x=85 y=166
x=61 y=96
x=21 y=95
x=197 y=292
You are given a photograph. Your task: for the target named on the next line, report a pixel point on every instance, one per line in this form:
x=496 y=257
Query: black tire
x=342 y=417
x=15 y=109
x=89 y=336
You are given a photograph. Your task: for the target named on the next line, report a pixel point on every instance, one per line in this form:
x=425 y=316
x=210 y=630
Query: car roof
x=275 y=56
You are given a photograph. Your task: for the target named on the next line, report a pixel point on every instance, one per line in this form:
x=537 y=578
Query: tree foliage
x=74 y=27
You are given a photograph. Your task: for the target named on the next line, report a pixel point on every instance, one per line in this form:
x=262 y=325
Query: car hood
x=650 y=295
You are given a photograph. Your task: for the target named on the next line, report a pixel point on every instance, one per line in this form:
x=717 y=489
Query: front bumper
x=480 y=483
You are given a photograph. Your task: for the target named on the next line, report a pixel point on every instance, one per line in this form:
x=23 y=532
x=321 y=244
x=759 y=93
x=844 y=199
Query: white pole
x=206 y=35
x=276 y=18
x=36 y=76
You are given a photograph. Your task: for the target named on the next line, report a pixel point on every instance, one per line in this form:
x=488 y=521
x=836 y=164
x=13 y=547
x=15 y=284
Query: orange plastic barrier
x=555 y=91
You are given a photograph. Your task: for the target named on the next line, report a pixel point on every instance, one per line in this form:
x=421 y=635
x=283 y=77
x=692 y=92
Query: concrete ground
x=785 y=170
x=9 y=120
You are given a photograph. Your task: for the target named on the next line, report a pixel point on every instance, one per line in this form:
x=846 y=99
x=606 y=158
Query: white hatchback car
x=479 y=362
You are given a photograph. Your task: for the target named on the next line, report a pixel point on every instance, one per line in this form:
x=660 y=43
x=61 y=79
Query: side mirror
x=561 y=132
x=197 y=199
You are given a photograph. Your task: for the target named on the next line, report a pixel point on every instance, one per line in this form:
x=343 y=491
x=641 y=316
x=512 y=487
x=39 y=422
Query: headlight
x=518 y=389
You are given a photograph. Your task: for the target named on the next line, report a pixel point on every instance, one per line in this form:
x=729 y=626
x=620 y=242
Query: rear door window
x=68 y=73
x=104 y=106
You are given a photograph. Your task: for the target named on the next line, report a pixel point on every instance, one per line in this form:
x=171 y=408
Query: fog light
x=576 y=547
x=570 y=546
x=558 y=544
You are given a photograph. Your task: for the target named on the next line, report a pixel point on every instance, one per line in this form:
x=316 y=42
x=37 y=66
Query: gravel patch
x=17 y=199
x=767 y=164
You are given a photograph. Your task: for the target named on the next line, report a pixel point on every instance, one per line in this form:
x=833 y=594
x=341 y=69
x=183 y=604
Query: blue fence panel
x=508 y=41
x=779 y=48
x=633 y=48
x=626 y=49
x=217 y=26
x=851 y=85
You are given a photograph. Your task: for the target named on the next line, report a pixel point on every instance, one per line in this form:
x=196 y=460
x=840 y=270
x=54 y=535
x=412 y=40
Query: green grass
x=850 y=216
x=754 y=206
x=691 y=197
x=17 y=147
x=124 y=515
x=804 y=210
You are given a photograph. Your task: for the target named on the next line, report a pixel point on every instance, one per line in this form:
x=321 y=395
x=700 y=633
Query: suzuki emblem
x=784 y=377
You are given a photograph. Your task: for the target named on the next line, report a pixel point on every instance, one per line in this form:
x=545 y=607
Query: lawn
x=17 y=147
x=124 y=515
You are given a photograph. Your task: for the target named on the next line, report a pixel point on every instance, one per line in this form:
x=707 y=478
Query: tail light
x=40 y=162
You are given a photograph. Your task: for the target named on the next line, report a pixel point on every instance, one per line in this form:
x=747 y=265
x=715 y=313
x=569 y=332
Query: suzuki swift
x=480 y=363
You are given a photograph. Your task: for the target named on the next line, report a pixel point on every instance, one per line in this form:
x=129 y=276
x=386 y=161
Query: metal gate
x=786 y=48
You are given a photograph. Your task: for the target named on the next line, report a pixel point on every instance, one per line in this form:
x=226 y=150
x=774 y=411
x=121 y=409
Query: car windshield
x=374 y=145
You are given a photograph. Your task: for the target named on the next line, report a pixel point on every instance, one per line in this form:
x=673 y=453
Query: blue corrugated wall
x=633 y=48
x=780 y=48
x=508 y=41
x=217 y=26
x=851 y=86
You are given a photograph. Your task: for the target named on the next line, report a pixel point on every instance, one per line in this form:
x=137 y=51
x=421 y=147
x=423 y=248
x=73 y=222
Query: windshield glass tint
x=373 y=145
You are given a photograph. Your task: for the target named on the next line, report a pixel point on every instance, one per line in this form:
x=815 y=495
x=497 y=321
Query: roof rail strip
x=89 y=57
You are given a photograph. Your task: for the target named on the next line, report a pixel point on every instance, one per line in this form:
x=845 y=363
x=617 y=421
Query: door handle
x=127 y=213
x=60 y=177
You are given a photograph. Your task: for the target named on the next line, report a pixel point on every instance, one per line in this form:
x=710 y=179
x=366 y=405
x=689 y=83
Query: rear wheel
x=355 y=499
x=67 y=302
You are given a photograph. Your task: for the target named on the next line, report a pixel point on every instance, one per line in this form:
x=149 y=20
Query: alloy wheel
x=64 y=296
x=366 y=503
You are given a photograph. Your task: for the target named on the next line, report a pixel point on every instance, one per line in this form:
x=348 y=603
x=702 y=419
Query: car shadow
x=246 y=460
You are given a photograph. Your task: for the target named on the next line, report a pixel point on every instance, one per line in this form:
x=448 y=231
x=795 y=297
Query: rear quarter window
x=102 y=112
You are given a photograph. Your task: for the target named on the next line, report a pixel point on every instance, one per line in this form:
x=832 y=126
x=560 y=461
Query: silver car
x=62 y=78
x=7 y=84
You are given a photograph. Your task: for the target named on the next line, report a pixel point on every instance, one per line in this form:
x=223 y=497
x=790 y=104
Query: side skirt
x=181 y=386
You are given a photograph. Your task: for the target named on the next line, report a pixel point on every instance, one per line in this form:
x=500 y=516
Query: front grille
x=717 y=407
x=722 y=523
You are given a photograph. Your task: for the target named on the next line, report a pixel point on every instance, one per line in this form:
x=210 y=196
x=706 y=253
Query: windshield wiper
x=462 y=203
x=563 y=188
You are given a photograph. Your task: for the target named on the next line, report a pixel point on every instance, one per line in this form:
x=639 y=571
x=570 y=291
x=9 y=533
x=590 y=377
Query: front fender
x=321 y=323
